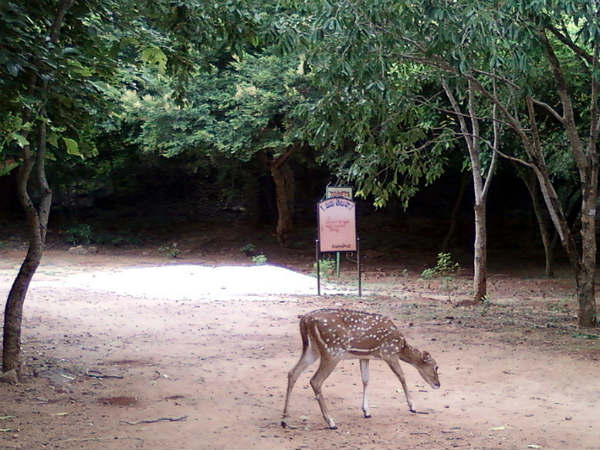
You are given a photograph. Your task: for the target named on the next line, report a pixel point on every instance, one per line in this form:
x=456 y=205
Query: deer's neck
x=410 y=355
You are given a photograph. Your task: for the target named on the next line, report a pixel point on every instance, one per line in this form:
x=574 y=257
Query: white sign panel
x=337 y=225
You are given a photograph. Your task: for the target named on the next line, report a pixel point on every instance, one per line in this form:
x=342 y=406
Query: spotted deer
x=336 y=334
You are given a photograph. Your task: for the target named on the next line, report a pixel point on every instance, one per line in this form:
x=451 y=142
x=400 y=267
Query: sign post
x=338 y=191
x=337 y=232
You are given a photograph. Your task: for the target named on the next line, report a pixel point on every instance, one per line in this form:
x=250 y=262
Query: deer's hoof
x=412 y=410
x=283 y=424
x=333 y=427
x=367 y=416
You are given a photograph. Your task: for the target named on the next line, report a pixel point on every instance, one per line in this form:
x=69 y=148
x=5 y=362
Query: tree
x=391 y=117
x=57 y=60
x=536 y=31
x=33 y=64
x=501 y=44
x=241 y=109
x=481 y=182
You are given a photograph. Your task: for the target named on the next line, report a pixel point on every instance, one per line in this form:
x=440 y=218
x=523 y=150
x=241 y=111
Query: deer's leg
x=364 y=373
x=309 y=355
x=325 y=368
x=395 y=366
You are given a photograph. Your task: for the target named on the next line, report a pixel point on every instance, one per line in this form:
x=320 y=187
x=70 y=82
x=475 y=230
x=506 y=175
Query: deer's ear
x=426 y=356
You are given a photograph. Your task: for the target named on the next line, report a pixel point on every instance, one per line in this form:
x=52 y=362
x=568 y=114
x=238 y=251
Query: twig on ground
x=97 y=374
x=160 y=419
x=98 y=439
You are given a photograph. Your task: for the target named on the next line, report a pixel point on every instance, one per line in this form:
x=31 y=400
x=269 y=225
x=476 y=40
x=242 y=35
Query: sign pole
x=358 y=267
x=318 y=267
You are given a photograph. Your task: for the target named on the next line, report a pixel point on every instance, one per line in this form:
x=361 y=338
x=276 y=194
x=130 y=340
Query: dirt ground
x=117 y=370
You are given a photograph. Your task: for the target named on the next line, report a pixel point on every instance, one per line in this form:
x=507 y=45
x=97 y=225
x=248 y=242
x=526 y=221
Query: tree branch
x=515 y=159
x=490 y=174
x=62 y=9
x=281 y=159
x=566 y=39
x=552 y=111
x=497 y=77
x=569 y=114
x=594 y=119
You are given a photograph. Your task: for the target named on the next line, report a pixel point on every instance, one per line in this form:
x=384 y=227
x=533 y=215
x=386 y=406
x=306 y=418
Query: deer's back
x=355 y=333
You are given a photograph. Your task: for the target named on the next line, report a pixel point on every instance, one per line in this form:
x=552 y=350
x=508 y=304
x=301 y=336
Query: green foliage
x=585 y=336
x=234 y=112
x=79 y=234
x=249 y=250
x=171 y=251
x=445 y=266
x=326 y=267
x=259 y=259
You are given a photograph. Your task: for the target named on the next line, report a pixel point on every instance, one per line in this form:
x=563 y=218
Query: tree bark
x=283 y=177
x=480 y=250
x=531 y=184
x=586 y=272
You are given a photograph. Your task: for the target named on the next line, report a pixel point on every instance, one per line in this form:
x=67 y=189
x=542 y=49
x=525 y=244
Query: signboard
x=338 y=191
x=337 y=225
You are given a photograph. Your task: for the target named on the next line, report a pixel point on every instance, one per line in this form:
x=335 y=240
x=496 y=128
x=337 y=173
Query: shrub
x=80 y=234
x=444 y=266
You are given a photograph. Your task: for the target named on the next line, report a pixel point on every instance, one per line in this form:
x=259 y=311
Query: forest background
x=120 y=119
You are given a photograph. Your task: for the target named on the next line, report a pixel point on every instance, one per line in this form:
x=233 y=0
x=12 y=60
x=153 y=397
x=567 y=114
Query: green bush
x=444 y=267
x=326 y=267
x=249 y=250
x=80 y=234
x=259 y=259
x=170 y=250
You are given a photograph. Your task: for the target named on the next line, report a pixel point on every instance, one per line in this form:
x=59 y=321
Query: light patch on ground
x=186 y=281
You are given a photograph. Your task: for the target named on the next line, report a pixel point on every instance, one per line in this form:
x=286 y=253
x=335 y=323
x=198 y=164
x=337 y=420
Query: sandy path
x=216 y=367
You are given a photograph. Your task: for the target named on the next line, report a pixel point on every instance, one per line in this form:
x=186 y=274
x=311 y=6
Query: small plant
x=172 y=251
x=249 y=250
x=326 y=267
x=562 y=306
x=444 y=266
x=259 y=259
x=80 y=234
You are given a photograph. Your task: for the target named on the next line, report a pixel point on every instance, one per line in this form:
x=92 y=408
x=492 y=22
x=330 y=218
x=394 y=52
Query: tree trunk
x=13 y=312
x=37 y=221
x=586 y=158
x=531 y=184
x=586 y=271
x=480 y=252
x=283 y=178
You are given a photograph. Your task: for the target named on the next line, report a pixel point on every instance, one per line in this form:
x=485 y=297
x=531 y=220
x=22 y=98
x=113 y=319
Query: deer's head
x=428 y=369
